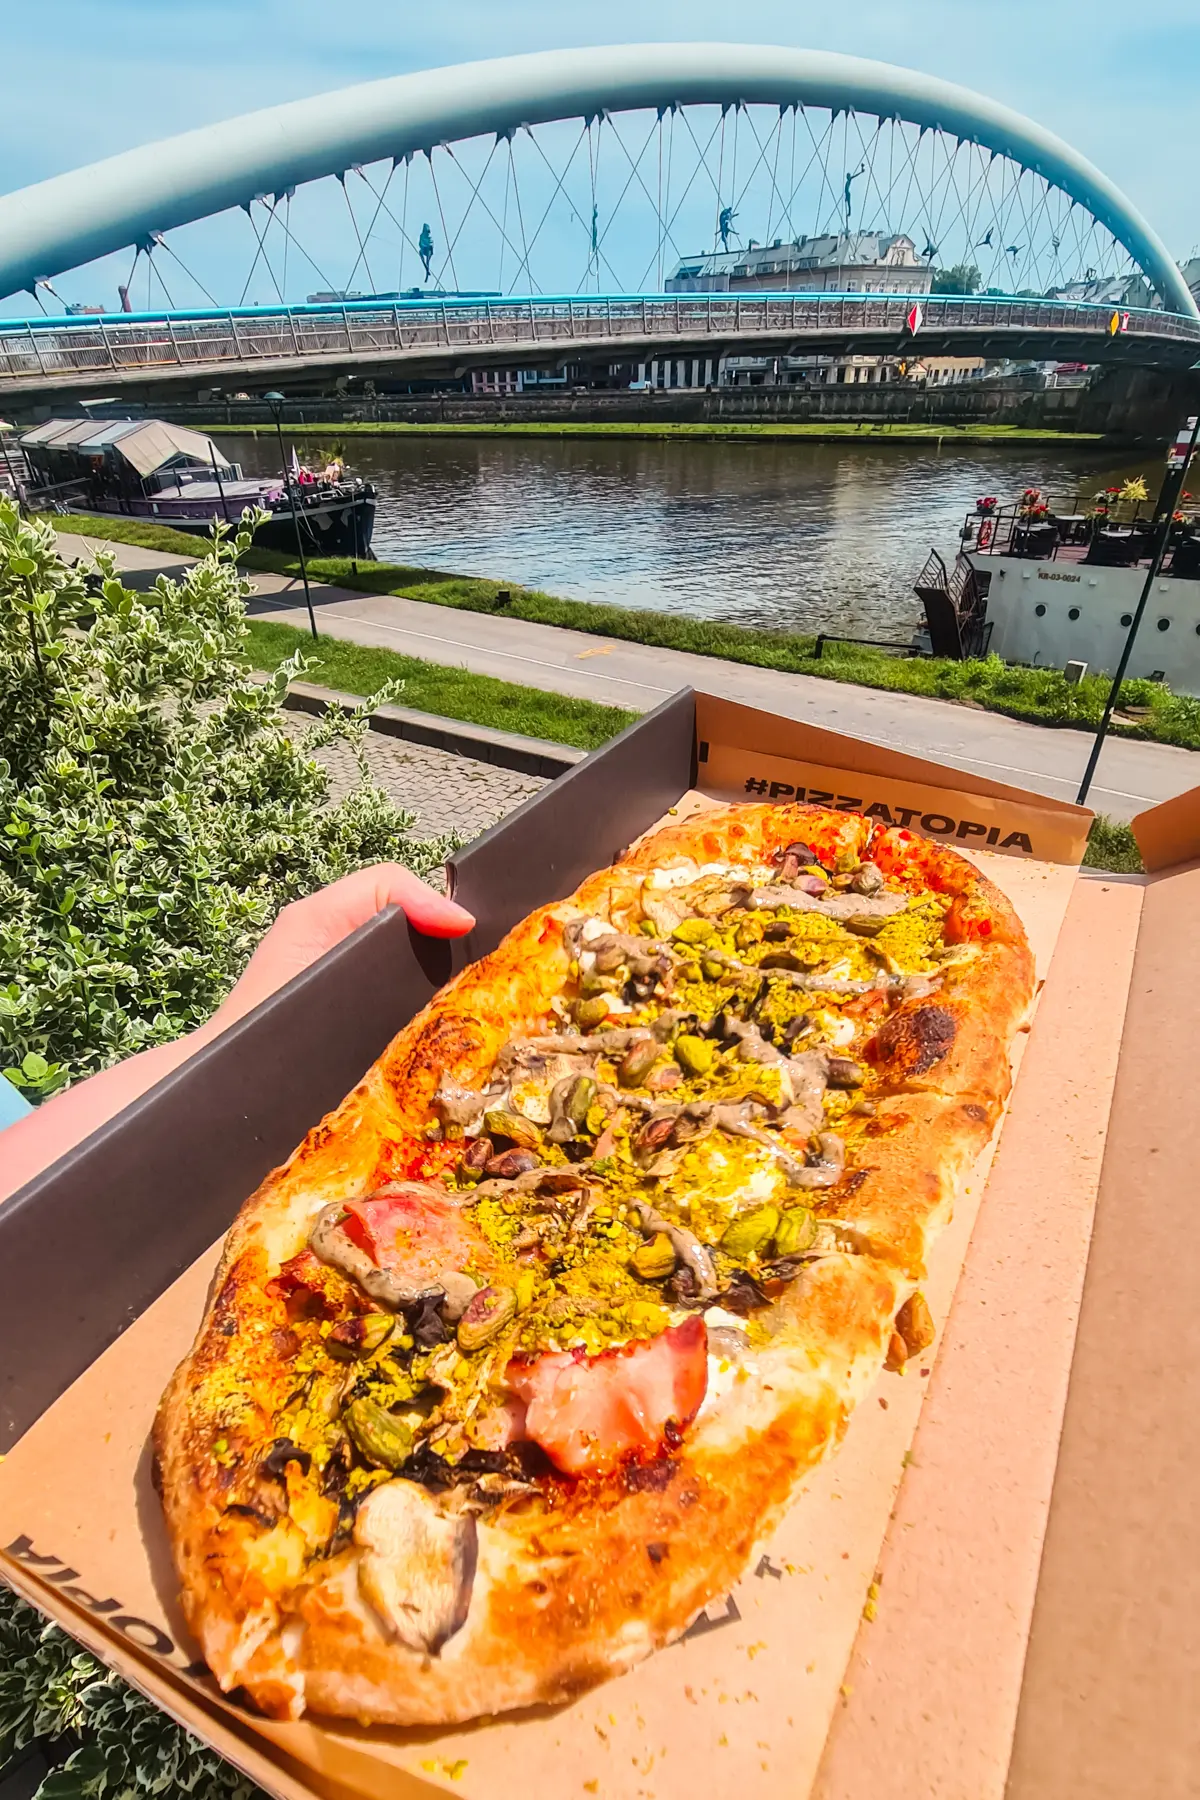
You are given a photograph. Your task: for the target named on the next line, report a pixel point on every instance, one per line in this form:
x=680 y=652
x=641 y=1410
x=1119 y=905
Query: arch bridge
x=534 y=209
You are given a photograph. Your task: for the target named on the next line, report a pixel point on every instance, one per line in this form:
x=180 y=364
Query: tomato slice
x=414 y=1232
x=589 y=1413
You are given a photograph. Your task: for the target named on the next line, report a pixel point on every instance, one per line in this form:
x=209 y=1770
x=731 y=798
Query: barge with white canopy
x=168 y=475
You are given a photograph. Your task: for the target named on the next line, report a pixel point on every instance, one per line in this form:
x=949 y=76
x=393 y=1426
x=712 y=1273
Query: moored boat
x=169 y=475
x=1044 y=585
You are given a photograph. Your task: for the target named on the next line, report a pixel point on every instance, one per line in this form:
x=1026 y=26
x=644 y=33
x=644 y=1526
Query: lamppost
x=275 y=402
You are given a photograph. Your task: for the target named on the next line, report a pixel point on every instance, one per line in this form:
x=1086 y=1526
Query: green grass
x=433 y=688
x=1037 y=696
x=1111 y=845
x=771 y=430
x=127 y=531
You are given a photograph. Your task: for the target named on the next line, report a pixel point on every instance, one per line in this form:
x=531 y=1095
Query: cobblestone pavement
x=447 y=793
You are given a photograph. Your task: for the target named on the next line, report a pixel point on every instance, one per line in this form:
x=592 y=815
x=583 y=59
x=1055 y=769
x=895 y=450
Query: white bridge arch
x=133 y=198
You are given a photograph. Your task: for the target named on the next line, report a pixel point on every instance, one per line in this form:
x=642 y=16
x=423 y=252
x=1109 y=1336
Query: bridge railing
x=35 y=351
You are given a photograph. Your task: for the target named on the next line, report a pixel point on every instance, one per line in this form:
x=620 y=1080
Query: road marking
x=604 y=650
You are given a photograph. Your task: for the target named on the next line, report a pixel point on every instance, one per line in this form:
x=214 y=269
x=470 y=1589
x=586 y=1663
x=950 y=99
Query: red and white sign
x=915 y=317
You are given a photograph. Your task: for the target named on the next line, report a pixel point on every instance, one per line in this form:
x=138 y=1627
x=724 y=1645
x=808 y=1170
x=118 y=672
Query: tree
x=963 y=278
x=154 y=812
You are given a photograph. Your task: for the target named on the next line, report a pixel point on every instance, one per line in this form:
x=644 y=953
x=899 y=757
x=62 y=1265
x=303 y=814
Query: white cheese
x=762 y=1182
x=724 y=1372
x=716 y=1316
x=833 y=1030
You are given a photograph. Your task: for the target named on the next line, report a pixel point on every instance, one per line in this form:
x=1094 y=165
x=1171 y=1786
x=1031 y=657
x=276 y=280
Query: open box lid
x=692 y=745
x=1109 y=1700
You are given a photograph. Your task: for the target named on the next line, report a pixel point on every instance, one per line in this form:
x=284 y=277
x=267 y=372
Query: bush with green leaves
x=154 y=812
x=154 y=817
x=106 y=1741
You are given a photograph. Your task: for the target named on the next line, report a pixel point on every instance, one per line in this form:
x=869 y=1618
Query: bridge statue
x=725 y=225
x=425 y=249
x=852 y=176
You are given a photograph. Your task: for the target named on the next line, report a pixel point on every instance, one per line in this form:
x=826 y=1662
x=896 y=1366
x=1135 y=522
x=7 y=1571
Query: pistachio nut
x=796 y=1232
x=693 y=931
x=654 y=1134
x=359 y=1336
x=751 y=1233
x=487 y=1315
x=638 y=1062
x=502 y=1123
x=580 y=1095
x=597 y=983
x=478 y=1152
x=865 y=925
x=511 y=1163
x=695 y=1055
x=654 y=1259
x=382 y=1439
x=868 y=879
x=591 y=1012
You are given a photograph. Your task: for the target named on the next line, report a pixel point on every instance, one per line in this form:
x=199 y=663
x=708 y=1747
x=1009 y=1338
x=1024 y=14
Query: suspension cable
x=163 y=245
x=379 y=199
x=162 y=284
x=449 y=256
x=261 y=251
x=362 y=248
x=520 y=219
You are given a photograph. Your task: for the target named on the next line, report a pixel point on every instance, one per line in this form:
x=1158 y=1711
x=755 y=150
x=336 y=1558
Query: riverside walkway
x=1132 y=774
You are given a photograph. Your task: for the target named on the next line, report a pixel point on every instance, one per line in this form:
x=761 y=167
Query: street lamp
x=275 y=402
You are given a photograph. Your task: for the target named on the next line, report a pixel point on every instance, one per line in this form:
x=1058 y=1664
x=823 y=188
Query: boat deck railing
x=1124 y=538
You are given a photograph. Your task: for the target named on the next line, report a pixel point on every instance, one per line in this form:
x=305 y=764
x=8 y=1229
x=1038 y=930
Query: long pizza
x=507 y=1371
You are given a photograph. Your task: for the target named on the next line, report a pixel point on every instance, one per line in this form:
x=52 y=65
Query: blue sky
x=81 y=79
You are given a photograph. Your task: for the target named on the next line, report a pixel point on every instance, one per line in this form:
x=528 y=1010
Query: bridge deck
x=419 y=335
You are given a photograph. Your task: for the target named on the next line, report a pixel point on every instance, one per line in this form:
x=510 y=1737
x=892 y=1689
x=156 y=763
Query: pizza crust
x=569 y=1592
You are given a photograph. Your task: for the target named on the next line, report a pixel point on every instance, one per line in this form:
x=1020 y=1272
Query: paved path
x=1132 y=775
x=446 y=792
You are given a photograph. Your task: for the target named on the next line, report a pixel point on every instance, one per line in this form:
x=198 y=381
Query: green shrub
x=1111 y=845
x=154 y=813
x=107 y=1742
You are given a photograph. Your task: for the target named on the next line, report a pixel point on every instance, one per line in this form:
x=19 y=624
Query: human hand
x=307 y=928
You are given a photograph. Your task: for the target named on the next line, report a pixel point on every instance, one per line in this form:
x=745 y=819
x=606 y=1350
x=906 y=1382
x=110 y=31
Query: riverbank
x=357 y=669
x=768 y=431
x=1034 y=696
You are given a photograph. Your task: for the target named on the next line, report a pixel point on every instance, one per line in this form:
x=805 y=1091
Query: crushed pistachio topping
x=677 y=1132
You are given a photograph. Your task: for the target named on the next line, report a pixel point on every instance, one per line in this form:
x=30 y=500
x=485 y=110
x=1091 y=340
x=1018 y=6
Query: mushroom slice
x=459 y=1107
x=418 y=1563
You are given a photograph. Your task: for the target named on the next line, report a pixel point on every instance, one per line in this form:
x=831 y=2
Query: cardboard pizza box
x=808 y=1678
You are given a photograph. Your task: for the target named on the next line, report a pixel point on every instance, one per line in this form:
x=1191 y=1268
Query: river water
x=786 y=535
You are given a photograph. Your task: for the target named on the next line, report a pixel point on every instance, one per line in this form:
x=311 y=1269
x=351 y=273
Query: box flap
x=1169 y=833
x=1108 y=1704
x=743 y=754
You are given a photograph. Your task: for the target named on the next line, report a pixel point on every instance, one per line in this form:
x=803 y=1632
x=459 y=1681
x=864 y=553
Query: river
x=784 y=535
